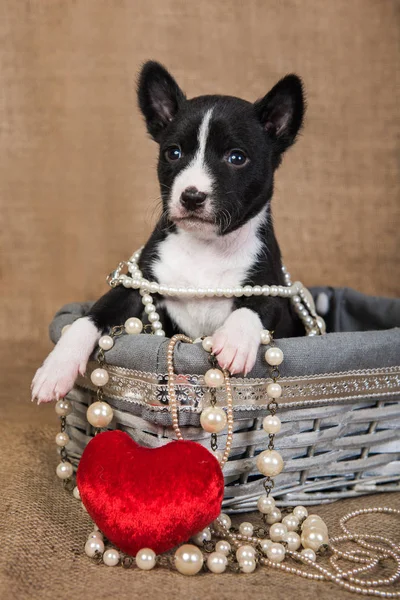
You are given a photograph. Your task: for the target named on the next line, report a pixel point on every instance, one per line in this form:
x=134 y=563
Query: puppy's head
x=218 y=154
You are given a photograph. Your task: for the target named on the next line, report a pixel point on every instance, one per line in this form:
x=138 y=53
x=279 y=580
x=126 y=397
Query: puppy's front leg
x=57 y=375
x=236 y=343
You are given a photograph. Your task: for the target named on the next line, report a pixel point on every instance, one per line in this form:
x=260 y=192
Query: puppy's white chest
x=185 y=261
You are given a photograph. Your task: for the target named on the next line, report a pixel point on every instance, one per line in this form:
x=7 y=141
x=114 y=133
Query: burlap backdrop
x=78 y=192
x=78 y=188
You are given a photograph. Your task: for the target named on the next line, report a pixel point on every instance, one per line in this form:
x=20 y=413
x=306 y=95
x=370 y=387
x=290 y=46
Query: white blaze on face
x=196 y=174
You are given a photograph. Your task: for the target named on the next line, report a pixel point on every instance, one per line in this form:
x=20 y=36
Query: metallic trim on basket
x=150 y=389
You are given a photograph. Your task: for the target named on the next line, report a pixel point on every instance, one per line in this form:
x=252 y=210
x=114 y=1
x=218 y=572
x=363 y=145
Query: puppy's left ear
x=281 y=111
x=159 y=97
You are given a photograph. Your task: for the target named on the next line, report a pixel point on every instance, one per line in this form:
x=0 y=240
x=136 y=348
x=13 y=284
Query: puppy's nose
x=192 y=199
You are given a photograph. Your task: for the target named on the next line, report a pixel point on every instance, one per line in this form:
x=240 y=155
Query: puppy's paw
x=56 y=377
x=236 y=343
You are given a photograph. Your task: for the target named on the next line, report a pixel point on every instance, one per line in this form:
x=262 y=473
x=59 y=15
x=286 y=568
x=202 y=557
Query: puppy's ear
x=281 y=111
x=159 y=97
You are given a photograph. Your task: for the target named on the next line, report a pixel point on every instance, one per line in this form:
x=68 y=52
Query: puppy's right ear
x=159 y=97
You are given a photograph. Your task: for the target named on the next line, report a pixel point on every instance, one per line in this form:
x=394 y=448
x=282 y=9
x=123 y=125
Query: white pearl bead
x=75 y=493
x=210 y=292
x=145 y=559
x=273 y=290
x=225 y=520
x=274 y=516
x=99 y=377
x=202 y=536
x=291 y=522
x=277 y=531
x=94 y=545
x=63 y=408
x=160 y=332
x=265 y=504
x=127 y=281
x=300 y=512
x=200 y=293
x=238 y=291
x=97 y=535
x=264 y=545
x=111 y=557
x=309 y=553
x=149 y=308
x=274 y=390
x=147 y=299
x=228 y=292
x=207 y=344
x=274 y=356
x=153 y=317
x=153 y=287
x=62 y=438
x=265 y=337
x=64 y=470
x=106 y=342
x=248 y=290
x=213 y=419
x=245 y=552
x=276 y=552
x=292 y=540
x=188 y=559
x=257 y=291
x=246 y=528
x=269 y=463
x=133 y=326
x=223 y=547
x=99 y=414
x=313 y=521
x=272 y=424
x=314 y=538
x=65 y=329
x=248 y=565
x=214 y=378
x=217 y=562
x=265 y=290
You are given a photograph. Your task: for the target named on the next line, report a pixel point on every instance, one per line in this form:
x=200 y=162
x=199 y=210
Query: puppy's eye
x=173 y=153
x=237 y=158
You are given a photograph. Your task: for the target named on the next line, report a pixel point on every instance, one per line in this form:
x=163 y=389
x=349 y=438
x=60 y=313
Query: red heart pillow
x=149 y=498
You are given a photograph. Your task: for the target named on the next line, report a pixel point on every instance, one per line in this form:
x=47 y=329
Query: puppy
x=217 y=159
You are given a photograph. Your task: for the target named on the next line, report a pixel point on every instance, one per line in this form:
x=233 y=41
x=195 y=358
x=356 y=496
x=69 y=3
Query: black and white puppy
x=217 y=159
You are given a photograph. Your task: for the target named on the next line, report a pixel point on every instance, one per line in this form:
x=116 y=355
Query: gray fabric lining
x=365 y=334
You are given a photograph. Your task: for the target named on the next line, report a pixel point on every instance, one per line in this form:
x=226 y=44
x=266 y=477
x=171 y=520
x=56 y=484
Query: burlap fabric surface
x=78 y=190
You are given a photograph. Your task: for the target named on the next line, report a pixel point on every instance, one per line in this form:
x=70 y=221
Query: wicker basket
x=340 y=432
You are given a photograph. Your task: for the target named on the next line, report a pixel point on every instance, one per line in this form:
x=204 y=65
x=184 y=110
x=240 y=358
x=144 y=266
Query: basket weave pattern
x=339 y=437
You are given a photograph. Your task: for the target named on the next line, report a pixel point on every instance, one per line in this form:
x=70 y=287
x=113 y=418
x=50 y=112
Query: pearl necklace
x=298 y=294
x=245 y=548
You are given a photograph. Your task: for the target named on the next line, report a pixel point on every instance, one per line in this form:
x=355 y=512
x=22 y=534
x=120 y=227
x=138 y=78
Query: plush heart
x=149 y=498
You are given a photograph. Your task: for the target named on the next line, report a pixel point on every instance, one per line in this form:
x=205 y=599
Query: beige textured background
x=78 y=192
x=78 y=188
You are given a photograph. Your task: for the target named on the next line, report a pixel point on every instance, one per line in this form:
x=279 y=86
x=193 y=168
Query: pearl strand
x=216 y=379
x=300 y=297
